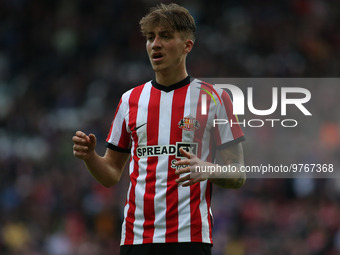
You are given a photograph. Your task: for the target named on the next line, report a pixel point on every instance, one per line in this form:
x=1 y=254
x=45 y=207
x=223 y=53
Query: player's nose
x=157 y=43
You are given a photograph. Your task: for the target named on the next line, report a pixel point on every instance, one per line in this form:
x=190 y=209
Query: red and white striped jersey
x=152 y=122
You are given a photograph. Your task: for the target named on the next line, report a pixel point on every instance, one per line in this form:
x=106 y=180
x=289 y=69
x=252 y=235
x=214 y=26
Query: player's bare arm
x=232 y=156
x=106 y=170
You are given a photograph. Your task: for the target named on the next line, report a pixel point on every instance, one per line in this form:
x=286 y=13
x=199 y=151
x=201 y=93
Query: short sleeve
x=119 y=138
x=227 y=131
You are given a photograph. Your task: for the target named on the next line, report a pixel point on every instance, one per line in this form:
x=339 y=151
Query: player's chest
x=165 y=118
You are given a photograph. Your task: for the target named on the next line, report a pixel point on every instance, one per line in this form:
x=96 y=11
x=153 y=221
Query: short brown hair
x=172 y=17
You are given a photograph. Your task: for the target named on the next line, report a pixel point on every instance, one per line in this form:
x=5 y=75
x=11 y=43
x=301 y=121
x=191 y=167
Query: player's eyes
x=164 y=36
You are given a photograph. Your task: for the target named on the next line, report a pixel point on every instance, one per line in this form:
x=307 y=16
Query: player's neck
x=170 y=78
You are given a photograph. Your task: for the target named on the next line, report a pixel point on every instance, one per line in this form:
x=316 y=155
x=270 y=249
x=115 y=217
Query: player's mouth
x=157 y=56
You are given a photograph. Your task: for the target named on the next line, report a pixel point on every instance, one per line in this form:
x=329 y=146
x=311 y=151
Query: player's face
x=166 y=50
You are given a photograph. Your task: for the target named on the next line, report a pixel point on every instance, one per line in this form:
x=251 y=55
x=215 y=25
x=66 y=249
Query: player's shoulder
x=138 y=88
x=205 y=86
x=212 y=88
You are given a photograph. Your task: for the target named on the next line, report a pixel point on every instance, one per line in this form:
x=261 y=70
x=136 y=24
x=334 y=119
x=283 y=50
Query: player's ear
x=188 y=46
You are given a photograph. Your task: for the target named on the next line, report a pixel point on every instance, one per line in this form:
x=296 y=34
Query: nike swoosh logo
x=135 y=128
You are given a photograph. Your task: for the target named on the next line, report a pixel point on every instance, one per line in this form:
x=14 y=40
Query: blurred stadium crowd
x=64 y=66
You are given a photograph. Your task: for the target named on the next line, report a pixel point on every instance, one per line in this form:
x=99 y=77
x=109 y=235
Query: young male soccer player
x=161 y=126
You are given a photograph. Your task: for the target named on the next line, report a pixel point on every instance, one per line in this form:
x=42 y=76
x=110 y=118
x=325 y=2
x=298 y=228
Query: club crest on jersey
x=189 y=123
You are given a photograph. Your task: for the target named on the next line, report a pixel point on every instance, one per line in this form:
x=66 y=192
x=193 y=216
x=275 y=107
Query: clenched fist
x=83 y=145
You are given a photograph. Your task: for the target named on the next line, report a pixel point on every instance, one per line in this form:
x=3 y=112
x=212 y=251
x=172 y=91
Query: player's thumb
x=93 y=138
x=184 y=153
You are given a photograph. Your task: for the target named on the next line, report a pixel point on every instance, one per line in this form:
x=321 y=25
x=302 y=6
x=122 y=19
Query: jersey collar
x=177 y=85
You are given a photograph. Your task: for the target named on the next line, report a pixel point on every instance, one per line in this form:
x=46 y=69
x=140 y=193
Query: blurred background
x=65 y=64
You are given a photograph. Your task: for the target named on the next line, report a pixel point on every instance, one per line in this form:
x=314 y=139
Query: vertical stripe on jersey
x=165 y=113
x=130 y=218
x=203 y=137
x=235 y=129
x=126 y=207
x=178 y=103
x=208 y=193
x=226 y=133
x=140 y=189
x=124 y=141
x=184 y=219
x=195 y=190
x=150 y=180
x=207 y=155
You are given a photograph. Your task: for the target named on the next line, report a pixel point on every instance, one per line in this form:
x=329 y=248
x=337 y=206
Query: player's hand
x=191 y=161
x=84 y=145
